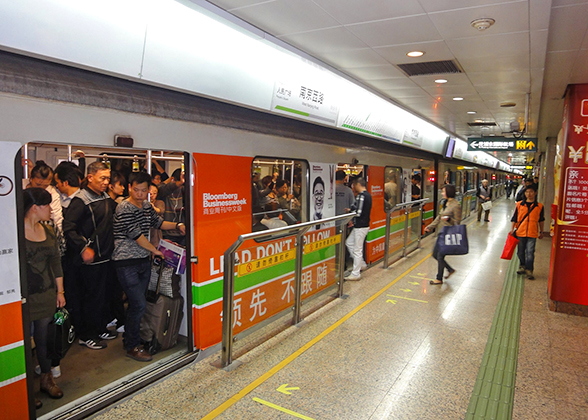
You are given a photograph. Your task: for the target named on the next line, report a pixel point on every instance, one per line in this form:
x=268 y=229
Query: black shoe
x=486 y=220
x=108 y=335
x=436 y=282
x=521 y=270
x=449 y=274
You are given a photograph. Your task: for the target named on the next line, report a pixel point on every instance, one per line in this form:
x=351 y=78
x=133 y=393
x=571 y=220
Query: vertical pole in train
x=26 y=159
x=298 y=275
x=228 y=298
x=342 y=257
x=69 y=152
x=387 y=239
x=406 y=214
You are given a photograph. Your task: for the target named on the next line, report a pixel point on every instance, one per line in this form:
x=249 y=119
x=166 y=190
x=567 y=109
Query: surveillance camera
x=354 y=161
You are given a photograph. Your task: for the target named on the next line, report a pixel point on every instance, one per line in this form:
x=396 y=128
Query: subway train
x=223 y=150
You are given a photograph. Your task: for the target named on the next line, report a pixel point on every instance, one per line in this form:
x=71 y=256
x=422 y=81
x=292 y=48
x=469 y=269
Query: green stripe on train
x=381 y=231
x=429 y=214
x=13 y=363
x=208 y=293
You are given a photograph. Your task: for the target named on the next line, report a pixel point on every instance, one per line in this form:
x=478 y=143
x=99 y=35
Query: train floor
x=396 y=347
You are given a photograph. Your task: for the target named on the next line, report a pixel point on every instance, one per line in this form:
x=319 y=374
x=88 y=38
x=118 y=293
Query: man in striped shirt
x=132 y=250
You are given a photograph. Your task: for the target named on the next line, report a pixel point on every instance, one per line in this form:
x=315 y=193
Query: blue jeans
x=526 y=252
x=441 y=263
x=134 y=280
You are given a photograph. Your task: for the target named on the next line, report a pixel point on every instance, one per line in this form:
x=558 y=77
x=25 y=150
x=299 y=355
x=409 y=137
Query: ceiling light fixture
x=471 y=112
x=482 y=24
x=440 y=81
x=415 y=54
x=458 y=98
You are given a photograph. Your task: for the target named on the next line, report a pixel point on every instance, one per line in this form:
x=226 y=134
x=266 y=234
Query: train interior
x=87 y=374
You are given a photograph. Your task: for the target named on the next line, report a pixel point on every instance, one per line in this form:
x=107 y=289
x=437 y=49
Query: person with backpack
x=527 y=225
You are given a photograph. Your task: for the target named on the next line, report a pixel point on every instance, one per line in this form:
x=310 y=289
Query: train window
x=279 y=191
x=392 y=189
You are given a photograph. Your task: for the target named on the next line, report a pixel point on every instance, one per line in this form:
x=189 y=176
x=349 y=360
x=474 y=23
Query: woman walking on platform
x=450 y=215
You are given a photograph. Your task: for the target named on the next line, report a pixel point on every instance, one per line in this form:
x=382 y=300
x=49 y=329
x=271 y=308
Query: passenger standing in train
x=484 y=195
x=361 y=225
x=88 y=229
x=390 y=192
x=159 y=206
x=42 y=177
x=416 y=187
x=344 y=197
x=172 y=194
x=116 y=188
x=528 y=220
x=44 y=278
x=132 y=221
x=450 y=215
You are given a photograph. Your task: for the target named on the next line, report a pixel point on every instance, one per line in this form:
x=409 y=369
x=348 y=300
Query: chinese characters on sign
x=575 y=239
x=502 y=144
x=311 y=95
x=575 y=205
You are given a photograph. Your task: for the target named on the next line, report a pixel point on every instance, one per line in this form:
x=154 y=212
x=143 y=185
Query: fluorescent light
x=458 y=98
x=440 y=81
x=415 y=54
x=471 y=112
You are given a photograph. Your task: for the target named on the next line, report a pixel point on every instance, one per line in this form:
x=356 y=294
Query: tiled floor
x=412 y=355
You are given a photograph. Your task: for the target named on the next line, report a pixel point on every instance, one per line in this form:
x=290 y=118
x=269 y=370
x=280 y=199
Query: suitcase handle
x=167 y=322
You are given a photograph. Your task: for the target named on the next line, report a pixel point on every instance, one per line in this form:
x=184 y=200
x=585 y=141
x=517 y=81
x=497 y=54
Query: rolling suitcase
x=160 y=324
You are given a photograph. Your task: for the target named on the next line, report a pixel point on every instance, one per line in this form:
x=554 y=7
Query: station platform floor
x=395 y=348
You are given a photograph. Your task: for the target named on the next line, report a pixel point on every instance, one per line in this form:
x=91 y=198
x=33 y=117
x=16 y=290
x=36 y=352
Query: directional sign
x=284 y=389
x=502 y=144
x=406 y=290
x=391 y=301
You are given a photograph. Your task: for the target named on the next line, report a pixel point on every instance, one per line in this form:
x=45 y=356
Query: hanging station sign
x=502 y=144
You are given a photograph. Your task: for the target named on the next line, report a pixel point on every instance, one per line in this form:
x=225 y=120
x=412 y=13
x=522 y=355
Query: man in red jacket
x=528 y=220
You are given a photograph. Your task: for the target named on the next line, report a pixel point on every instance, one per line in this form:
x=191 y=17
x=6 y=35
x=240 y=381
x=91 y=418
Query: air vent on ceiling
x=481 y=124
x=430 y=67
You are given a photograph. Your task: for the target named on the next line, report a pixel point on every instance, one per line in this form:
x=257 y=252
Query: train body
x=221 y=147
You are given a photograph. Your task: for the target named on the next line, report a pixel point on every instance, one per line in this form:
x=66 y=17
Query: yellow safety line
x=405 y=298
x=224 y=406
x=285 y=410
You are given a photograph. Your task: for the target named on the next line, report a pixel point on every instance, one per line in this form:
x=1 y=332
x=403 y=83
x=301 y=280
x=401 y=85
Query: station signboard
x=502 y=144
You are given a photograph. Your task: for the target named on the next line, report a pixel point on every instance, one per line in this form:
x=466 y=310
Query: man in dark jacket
x=172 y=194
x=521 y=194
x=361 y=226
x=88 y=230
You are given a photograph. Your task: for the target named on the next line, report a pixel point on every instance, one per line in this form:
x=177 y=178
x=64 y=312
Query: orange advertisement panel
x=264 y=281
x=13 y=400
x=375 y=238
x=570 y=243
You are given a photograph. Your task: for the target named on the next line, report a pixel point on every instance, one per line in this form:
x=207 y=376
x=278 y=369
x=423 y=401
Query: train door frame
x=121 y=387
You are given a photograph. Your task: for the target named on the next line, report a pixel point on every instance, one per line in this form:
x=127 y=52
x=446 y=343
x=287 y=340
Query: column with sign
x=569 y=257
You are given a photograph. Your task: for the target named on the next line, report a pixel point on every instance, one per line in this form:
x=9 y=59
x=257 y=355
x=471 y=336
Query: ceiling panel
x=540 y=12
x=580 y=68
x=434 y=51
x=510 y=17
x=376 y=72
x=396 y=31
x=453 y=79
x=369 y=10
x=365 y=57
x=570 y=25
x=282 y=17
x=405 y=93
x=325 y=41
x=451 y=90
x=538 y=48
x=489 y=46
x=496 y=63
x=440 y=5
x=506 y=77
x=396 y=83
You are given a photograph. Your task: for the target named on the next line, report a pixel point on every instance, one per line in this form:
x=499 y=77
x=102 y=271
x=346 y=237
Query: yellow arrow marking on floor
x=391 y=301
x=424 y=278
x=406 y=290
x=420 y=274
x=405 y=298
x=285 y=390
x=414 y=283
x=282 y=409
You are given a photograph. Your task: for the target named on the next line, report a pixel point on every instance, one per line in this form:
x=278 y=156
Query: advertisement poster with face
x=322 y=191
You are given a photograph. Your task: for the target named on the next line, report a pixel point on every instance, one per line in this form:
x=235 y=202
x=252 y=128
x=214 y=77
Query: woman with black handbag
x=450 y=215
x=44 y=278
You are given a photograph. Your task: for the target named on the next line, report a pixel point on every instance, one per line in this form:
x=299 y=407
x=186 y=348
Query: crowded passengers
x=90 y=233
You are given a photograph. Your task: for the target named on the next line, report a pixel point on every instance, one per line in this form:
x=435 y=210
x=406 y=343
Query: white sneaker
x=121 y=329
x=55 y=371
x=111 y=324
x=351 y=277
x=364 y=267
